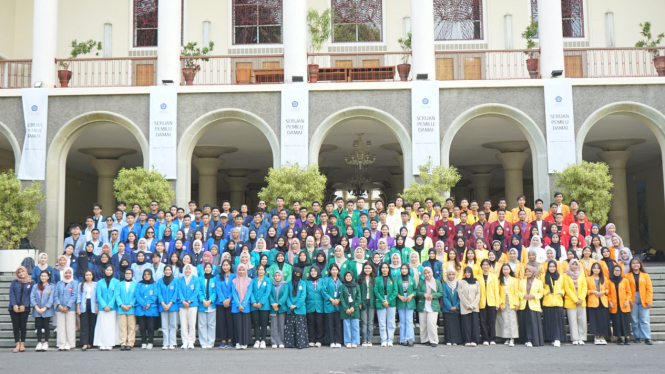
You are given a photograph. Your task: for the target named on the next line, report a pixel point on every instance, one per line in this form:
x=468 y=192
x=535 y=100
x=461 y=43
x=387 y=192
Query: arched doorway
x=10 y=150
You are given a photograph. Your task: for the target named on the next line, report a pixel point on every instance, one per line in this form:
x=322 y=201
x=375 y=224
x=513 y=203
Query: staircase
x=657 y=274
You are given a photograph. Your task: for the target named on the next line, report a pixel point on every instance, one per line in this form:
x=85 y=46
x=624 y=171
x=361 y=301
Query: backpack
x=29 y=264
x=26 y=244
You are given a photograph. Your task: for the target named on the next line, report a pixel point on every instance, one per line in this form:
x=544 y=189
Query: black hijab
x=137 y=259
x=282 y=248
x=318 y=274
x=555 y=246
x=280 y=265
x=550 y=277
x=419 y=248
x=102 y=266
x=150 y=281
x=400 y=246
x=432 y=261
x=349 y=285
x=123 y=268
x=320 y=265
x=169 y=279
x=496 y=236
x=251 y=243
x=85 y=258
x=616 y=279
x=295 y=280
x=334 y=239
x=471 y=280
x=353 y=232
x=460 y=250
x=405 y=278
x=208 y=277
x=300 y=264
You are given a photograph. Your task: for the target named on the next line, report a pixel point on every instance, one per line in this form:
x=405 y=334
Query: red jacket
x=432 y=231
x=468 y=231
x=450 y=227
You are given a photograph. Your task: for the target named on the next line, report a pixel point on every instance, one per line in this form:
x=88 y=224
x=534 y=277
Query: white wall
x=7 y=28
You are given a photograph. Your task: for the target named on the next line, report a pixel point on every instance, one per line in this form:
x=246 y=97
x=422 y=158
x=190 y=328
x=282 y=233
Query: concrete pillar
x=237 y=181
x=616 y=156
x=44 y=42
x=422 y=38
x=208 y=163
x=294 y=39
x=512 y=158
x=460 y=191
x=397 y=183
x=107 y=166
x=169 y=41
x=481 y=178
x=550 y=37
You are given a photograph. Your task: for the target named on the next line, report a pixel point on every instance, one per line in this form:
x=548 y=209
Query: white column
x=422 y=38
x=294 y=39
x=169 y=26
x=44 y=41
x=550 y=35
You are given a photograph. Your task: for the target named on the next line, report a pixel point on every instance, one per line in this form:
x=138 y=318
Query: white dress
x=106 y=329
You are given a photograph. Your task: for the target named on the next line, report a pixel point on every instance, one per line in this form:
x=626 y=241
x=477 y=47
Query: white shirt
x=88 y=291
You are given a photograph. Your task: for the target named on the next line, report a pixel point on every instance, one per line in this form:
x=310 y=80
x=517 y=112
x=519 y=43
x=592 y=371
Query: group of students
x=515 y=278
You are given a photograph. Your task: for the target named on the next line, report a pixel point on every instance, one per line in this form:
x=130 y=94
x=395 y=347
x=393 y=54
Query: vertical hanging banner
x=35 y=115
x=295 y=124
x=425 y=123
x=559 y=123
x=163 y=129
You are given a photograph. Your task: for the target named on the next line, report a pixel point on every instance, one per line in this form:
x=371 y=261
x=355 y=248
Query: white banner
x=425 y=123
x=164 y=129
x=35 y=114
x=295 y=119
x=559 y=123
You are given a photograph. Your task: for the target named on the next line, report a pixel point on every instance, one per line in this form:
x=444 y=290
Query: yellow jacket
x=477 y=271
x=489 y=293
x=519 y=271
x=515 y=213
x=572 y=294
x=536 y=290
x=513 y=293
x=552 y=298
x=494 y=216
x=587 y=269
x=545 y=264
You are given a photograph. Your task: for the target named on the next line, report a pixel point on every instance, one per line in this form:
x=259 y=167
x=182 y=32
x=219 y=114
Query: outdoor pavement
x=420 y=359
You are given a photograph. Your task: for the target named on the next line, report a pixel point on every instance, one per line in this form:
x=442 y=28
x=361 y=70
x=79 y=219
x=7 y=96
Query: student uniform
x=490 y=299
x=278 y=318
x=598 y=313
x=43 y=299
x=469 y=295
x=106 y=329
x=20 y=294
x=260 y=316
x=126 y=295
x=506 y=320
x=65 y=296
x=405 y=309
x=295 y=328
x=577 y=314
x=529 y=315
x=428 y=316
x=350 y=299
x=386 y=315
x=620 y=297
x=207 y=316
x=367 y=310
x=86 y=299
x=188 y=293
x=641 y=294
x=315 y=312
x=242 y=321
x=330 y=290
x=451 y=319
x=224 y=320
x=554 y=325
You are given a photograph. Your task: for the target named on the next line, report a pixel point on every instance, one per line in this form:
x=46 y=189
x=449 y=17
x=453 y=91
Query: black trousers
x=43 y=323
x=488 y=324
x=146 y=328
x=260 y=322
x=469 y=324
x=334 y=332
x=316 y=327
x=19 y=324
x=224 y=325
x=88 y=321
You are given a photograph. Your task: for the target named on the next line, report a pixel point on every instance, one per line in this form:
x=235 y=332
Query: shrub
x=18 y=209
x=293 y=182
x=589 y=183
x=436 y=181
x=141 y=186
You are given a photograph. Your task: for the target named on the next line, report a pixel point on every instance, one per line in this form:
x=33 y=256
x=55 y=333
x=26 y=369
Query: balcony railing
x=15 y=73
x=611 y=62
x=107 y=72
x=355 y=67
x=481 y=64
x=233 y=69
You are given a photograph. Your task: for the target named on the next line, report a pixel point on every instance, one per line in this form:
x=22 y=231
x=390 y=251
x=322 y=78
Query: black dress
x=530 y=327
x=295 y=331
x=554 y=324
x=451 y=328
x=242 y=323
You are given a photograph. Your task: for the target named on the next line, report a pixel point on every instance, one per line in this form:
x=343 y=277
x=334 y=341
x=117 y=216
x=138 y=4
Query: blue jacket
x=43 y=299
x=202 y=292
x=224 y=289
x=450 y=299
x=438 y=269
x=158 y=273
x=106 y=294
x=36 y=272
x=298 y=300
x=246 y=302
x=261 y=293
x=81 y=297
x=138 y=271
x=168 y=294
x=328 y=291
x=188 y=293
x=99 y=276
x=314 y=297
x=65 y=295
x=136 y=229
x=116 y=259
x=123 y=297
x=146 y=295
x=19 y=294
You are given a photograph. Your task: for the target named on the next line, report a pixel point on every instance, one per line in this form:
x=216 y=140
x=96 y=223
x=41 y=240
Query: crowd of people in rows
x=323 y=276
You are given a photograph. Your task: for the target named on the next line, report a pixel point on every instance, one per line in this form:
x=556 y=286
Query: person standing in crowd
x=65 y=303
x=20 y=292
x=314 y=303
x=106 y=329
x=509 y=303
x=277 y=310
x=641 y=300
x=295 y=326
x=42 y=265
x=42 y=300
x=489 y=303
x=331 y=302
x=188 y=293
x=429 y=293
x=167 y=297
x=349 y=310
x=597 y=305
x=406 y=304
x=224 y=297
x=126 y=300
x=619 y=299
x=367 y=304
x=87 y=308
x=575 y=290
x=451 y=311
x=260 y=306
x=529 y=315
x=469 y=294
x=385 y=292
x=206 y=311
x=146 y=308
x=553 y=316
x=242 y=296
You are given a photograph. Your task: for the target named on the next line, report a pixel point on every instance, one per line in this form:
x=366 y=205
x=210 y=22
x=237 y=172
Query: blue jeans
x=367 y=323
x=405 y=324
x=207 y=326
x=641 y=326
x=169 y=328
x=351 y=331
x=386 y=318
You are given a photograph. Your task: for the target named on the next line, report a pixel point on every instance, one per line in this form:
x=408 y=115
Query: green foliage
x=192 y=50
x=319 y=27
x=436 y=181
x=141 y=186
x=293 y=182
x=589 y=183
x=529 y=34
x=82 y=48
x=405 y=44
x=18 y=209
x=648 y=40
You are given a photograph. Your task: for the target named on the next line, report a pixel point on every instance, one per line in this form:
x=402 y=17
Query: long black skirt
x=530 y=327
x=554 y=324
x=621 y=323
x=451 y=328
x=470 y=327
x=295 y=331
x=599 y=321
x=242 y=324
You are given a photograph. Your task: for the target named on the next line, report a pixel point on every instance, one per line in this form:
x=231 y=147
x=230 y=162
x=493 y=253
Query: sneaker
x=354 y=345
x=512 y=343
x=317 y=345
x=603 y=341
x=363 y=344
x=281 y=346
x=596 y=341
x=257 y=344
x=244 y=347
x=637 y=340
x=492 y=343
x=183 y=346
x=486 y=343
x=238 y=346
x=433 y=345
x=384 y=344
x=339 y=345
x=149 y=346
x=448 y=344
x=38 y=347
x=581 y=342
x=274 y=346
x=191 y=346
x=506 y=342
x=332 y=345
x=467 y=344
x=222 y=346
x=528 y=344
x=311 y=344
x=369 y=344
x=263 y=345
x=143 y=346
x=45 y=347
x=627 y=342
x=474 y=344
x=648 y=342
x=165 y=347
x=557 y=343
x=575 y=342
x=170 y=347
x=390 y=344
x=348 y=345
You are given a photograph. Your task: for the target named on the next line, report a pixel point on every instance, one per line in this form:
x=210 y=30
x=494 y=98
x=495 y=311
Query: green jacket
x=355 y=219
x=379 y=292
x=346 y=266
x=286 y=271
x=279 y=299
x=364 y=289
x=420 y=294
x=314 y=298
x=404 y=254
x=411 y=290
x=345 y=303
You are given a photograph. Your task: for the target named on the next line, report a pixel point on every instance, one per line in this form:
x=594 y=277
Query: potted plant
x=191 y=64
x=78 y=49
x=141 y=186
x=658 y=61
x=404 y=68
x=319 y=29
x=19 y=217
x=529 y=34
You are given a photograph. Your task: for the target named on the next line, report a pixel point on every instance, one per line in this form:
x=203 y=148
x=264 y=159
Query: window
x=458 y=19
x=572 y=16
x=257 y=21
x=357 y=21
x=145 y=23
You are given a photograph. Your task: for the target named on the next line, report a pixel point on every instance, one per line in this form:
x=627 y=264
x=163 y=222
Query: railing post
x=44 y=42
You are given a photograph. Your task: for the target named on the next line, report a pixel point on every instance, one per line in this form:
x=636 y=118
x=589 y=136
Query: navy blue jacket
x=19 y=294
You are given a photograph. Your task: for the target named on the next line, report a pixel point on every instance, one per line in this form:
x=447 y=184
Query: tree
x=141 y=186
x=18 y=209
x=293 y=182
x=589 y=183
x=436 y=180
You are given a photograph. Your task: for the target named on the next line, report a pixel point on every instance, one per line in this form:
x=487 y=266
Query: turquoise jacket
x=279 y=299
x=124 y=297
x=245 y=303
x=298 y=300
x=315 y=297
x=261 y=293
x=330 y=290
x=106 y=294
x=146 y=295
